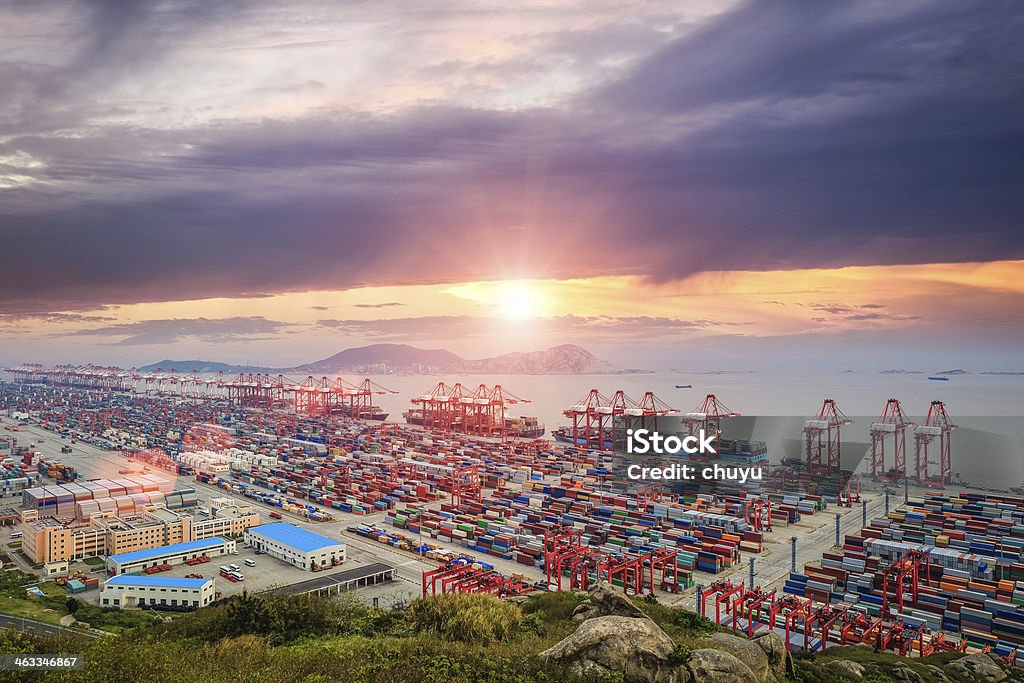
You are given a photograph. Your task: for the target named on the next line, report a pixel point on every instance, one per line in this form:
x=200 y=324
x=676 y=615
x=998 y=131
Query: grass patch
x=93 y=561
x=115 y=620
x=468 y=618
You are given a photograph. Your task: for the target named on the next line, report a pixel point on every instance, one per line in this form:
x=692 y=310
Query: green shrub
x=468 y=618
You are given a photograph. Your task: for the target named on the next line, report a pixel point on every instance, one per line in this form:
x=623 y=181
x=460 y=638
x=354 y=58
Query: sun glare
x=519 y=300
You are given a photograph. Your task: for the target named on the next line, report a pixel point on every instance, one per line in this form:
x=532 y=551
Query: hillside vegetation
x=284 y=639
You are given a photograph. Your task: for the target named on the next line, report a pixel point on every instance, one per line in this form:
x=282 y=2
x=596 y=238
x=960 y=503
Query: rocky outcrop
x=848 y=669
x=901 y=672
x=774 y=648
x=747 y=651
x=637 y=648
x=717 y=666
x=937 y=673
x=605 y=602
x=616 y=636
x=979 y=667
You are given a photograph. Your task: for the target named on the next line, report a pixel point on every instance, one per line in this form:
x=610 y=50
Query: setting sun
x=519 y=300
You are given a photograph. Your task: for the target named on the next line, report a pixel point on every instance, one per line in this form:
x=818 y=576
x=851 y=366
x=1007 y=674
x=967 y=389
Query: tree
x=71 y=604
x=248 y=614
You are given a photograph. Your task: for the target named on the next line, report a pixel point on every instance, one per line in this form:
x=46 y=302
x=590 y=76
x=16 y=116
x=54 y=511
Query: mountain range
x=565 y=359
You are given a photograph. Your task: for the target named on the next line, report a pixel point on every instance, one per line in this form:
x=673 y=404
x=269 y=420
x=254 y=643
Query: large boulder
x=606 y=602
x=716 y=666
x=847 y=668
x=903 y=673
x=937 y=673
x=774 y=647
x=979 y=667
x=637 y=648
x=747 y=651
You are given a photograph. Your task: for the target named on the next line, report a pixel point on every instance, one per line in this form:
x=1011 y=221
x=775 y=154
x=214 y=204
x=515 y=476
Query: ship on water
x=525 y=427
x=565 y=435
x=375 y=413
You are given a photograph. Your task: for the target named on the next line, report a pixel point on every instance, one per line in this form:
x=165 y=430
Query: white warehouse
x=158 y=592
x=295 y=545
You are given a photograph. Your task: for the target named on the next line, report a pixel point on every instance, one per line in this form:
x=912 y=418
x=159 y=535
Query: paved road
x=23 y=624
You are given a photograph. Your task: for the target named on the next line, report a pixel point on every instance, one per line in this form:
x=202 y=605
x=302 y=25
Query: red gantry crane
x=937 y=425
x=821 y=437
x=707 y=418
x=592 y=421
x=356 y=401
x=893 y=422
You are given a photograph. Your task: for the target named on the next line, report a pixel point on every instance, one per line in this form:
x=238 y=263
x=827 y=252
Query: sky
x=702 y=184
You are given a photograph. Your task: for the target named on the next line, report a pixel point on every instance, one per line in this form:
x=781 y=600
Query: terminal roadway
x=22 y=624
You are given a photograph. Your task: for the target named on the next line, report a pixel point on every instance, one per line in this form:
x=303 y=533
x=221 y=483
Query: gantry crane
x=936 y=425
x=707 y=418
x=893 y=422
x=821 y=437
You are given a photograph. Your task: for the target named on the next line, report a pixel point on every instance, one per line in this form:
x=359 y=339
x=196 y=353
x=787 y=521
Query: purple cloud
x=772 y=137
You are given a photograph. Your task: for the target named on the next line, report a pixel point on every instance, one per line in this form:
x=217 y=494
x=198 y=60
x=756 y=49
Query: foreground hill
x=550 y=637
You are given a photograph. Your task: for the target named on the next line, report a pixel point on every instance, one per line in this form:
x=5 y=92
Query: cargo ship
x=523 y=427
x=565 y=435
x=742 y=450
x=374 y=413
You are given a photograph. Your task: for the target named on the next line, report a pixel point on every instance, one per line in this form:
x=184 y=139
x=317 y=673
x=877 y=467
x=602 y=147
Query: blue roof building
x=157 y=592
x=156 y=581
x=295 y=545
x=176 y=553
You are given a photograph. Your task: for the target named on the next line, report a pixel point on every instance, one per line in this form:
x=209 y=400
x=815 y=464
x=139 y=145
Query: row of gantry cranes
x=888 y=437
x=482 y=411
x=594 y=417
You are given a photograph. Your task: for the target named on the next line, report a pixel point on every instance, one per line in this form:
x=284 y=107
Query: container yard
x=459 y=503
x=942 y=572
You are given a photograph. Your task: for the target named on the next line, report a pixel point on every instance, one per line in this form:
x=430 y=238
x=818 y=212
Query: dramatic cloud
x=863 y=312
x=389 y=304
x=220 y=331
x=183 y=150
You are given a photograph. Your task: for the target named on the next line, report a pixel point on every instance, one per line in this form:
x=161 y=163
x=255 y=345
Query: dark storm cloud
x=168 y=331
x=782 y=135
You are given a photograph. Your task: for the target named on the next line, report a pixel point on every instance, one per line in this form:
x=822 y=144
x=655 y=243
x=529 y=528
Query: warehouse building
x=139 y=560
x=296 y=546
x=49 y=540
x=158 y=592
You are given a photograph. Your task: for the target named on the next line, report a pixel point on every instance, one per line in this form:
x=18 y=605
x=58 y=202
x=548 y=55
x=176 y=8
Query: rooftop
x=295 y=537
x=155 y=581
x=152 y=553
x=320 y=582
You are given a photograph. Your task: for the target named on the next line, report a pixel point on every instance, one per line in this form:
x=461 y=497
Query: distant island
x=565 y=359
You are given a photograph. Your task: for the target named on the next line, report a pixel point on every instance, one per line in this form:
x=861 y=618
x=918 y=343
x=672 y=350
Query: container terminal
x=166 y=475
